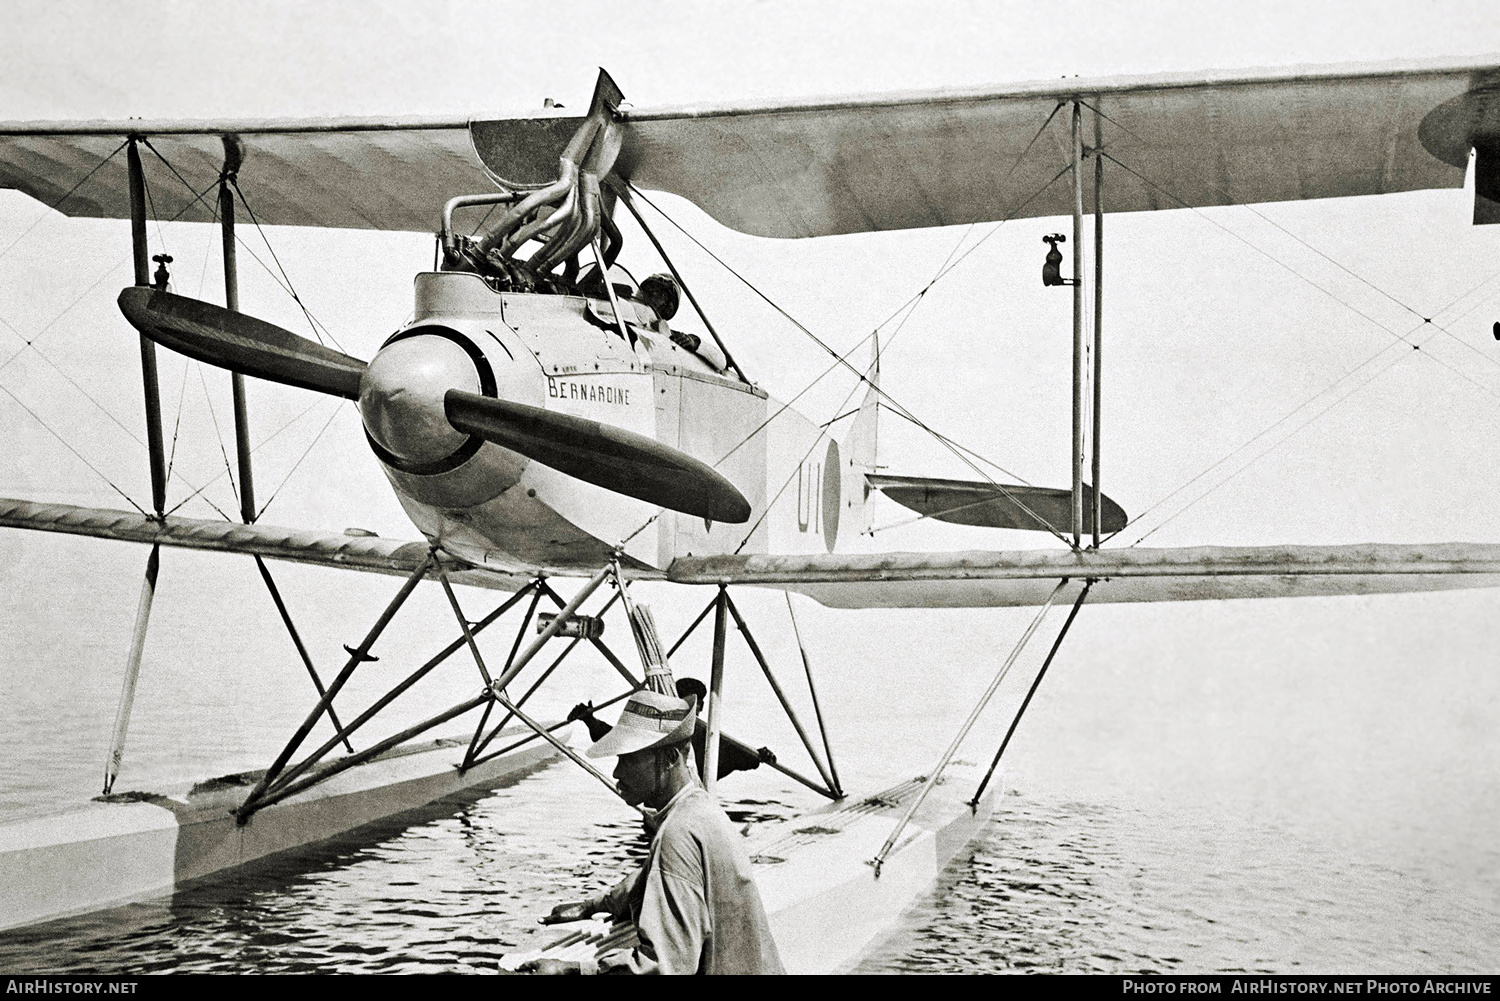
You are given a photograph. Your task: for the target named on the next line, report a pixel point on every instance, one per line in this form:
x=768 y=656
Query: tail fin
x=859 y=451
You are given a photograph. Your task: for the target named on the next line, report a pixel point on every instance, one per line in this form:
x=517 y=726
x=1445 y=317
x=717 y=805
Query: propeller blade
x=239 y=342
x=605 y=456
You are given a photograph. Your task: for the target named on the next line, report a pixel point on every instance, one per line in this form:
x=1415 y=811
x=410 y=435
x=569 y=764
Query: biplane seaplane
x=544 y=417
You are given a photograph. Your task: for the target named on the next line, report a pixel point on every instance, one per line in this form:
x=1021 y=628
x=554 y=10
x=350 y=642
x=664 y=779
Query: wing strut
x=1076 y=462
x=227 y=175
x=1098 y=303
x=1082 y=522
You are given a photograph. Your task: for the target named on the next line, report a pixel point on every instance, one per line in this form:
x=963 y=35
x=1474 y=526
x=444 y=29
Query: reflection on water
x=1069 y=887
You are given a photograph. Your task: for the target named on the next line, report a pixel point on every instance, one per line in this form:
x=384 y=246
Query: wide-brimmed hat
x=649 y=719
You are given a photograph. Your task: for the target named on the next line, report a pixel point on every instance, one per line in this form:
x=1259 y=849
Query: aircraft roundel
x=833 y=494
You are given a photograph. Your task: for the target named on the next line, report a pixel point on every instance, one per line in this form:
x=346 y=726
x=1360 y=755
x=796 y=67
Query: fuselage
x=493 y=507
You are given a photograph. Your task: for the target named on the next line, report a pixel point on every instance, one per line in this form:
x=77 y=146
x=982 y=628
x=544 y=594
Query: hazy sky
x=1217 y=324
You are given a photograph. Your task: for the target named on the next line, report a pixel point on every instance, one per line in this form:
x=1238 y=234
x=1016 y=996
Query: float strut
x=1035 y=684
x=551 y=729
x=349 y=761
x=984 y=700
x=696 y=623
x=780 y=695
x=813 y=691
x=554 y=665
x=140 y=254
x=389 y=697
x=286 y=618
x=355 y=658
x=132 y=669
x=546 y=734
x=553 y=628
x=716 y=691
x=463 y=624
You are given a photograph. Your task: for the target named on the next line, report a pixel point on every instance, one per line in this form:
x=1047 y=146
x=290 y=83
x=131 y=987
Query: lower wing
x=972 y=579
x=980 y=579
x=368 y=553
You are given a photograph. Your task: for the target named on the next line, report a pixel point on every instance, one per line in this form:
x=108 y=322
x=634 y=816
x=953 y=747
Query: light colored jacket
x=695 y=904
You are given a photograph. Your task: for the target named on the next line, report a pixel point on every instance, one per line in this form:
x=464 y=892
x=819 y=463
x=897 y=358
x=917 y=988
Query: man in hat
x=694 y=903
x=734 y=756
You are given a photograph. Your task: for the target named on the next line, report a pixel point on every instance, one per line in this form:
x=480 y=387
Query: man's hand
x=584 y=710
x=576 y=911
x=766 y=756
x=550 y=967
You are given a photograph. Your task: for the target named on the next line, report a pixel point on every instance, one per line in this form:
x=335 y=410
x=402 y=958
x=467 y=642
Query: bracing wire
x=182 y=393
x=1361 y=278
x=75 y=451
x=81 y=296
x=1293 y=271
x=1400 y=338
x=1270 y=448
x=306 y=452
x=891 y=402
x=218 y=434
x=263 y=442
x=177 y=425
x=291 y=289
x=281 y=279
x=75 y=383
x=66 y=195
x=31 y=343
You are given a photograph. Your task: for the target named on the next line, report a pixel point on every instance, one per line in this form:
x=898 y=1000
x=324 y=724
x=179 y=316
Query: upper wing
x=992 y=579
x=812 y=168
x=346 y=173
x=352 y=552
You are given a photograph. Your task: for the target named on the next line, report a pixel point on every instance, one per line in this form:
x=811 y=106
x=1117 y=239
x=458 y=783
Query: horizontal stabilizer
x=606 y=456
x=990 y=505
x=240 y=343
x=979 y=579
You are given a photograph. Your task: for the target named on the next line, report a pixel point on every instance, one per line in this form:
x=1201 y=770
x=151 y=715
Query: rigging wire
x=81 y=296
x=1282 y=264
x=74 y=382
x=198 y=196
x=177 y=426
x=265 y=441
x=824 y=431
x=66 y=195
x=75 y=451
x=311 y=320
x=1400 y=339
x=892 y=403
x=219 y=435
x=1270 y=448
x=31 y=343
x=1377 y=288
x=182 y=393
x=308 y=451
